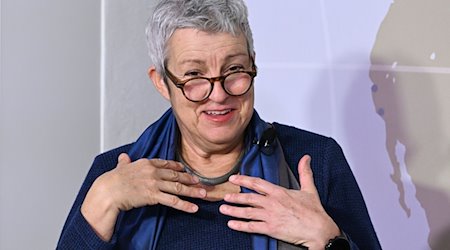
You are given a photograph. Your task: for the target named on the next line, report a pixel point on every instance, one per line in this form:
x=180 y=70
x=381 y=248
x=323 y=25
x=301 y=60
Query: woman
x=210 y=173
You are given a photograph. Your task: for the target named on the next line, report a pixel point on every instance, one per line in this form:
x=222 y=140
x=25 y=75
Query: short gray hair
x=228 y=16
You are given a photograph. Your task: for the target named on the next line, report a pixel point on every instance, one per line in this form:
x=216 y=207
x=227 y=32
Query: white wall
x=131 y=102
x=49 y=111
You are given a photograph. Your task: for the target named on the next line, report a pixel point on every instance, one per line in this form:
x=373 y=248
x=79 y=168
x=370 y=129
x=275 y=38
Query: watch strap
x=338 y=243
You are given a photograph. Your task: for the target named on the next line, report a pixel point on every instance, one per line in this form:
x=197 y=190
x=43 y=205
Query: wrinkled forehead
x=192 y=44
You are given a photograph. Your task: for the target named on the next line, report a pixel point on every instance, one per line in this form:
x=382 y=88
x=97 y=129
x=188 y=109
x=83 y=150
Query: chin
x=225 y=137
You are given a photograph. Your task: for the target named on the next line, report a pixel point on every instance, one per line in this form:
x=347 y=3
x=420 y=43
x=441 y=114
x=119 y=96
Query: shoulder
x=104 y=162
x=292 y=135
x=298 y=142
x=108 y=159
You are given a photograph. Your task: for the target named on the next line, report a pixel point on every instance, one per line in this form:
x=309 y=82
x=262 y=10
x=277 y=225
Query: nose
x=218 y=94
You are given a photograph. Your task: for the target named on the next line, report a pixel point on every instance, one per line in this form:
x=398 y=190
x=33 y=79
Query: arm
x=77 y=233
x=120 y=185
x=343 y=200
x=312 y=215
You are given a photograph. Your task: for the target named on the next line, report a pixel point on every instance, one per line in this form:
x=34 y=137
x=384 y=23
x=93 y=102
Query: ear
x=253 y=56
x=158 y=81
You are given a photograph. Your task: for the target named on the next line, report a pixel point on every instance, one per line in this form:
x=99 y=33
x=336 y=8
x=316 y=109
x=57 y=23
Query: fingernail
x=202 y=192
x=232 y=178
x=195 y=179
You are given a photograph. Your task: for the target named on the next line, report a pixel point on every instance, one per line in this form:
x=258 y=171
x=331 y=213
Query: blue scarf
x=140 y=228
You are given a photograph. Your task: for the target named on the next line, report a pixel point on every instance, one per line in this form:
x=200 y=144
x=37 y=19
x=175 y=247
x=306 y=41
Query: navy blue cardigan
x=337 y=187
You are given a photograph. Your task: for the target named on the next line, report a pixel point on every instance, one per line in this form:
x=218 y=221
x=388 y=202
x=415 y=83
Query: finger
x=249 y=213
x=306 y=175
x=179 y=189
x=177 y=203
x=176 y=176
x=123 y=159
x=167 y=164
x=251 y=199
x=254 y=183
x=248 y=227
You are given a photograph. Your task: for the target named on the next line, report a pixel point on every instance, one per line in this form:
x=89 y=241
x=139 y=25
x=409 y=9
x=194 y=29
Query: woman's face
x=218 y=122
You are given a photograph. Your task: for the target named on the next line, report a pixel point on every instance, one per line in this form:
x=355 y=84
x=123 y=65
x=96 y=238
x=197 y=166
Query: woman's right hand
x=137 y=184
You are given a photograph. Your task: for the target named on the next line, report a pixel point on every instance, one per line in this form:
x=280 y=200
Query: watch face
x=339 y=243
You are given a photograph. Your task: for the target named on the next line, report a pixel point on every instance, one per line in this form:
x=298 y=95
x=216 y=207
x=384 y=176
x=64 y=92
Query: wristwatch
x=338 y=243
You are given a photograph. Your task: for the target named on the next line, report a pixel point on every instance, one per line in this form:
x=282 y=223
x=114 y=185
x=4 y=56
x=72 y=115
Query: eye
x=192 y=73
x=235 y=68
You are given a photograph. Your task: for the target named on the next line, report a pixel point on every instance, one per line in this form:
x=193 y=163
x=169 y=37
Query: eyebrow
x=240 y=54
x=226 y=59
x=194 y=61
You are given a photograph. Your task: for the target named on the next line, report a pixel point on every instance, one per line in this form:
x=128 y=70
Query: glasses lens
x=237 y=83
x=197 y=89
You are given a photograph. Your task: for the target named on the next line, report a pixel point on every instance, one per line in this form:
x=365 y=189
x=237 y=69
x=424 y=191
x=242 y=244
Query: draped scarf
x=140 y=228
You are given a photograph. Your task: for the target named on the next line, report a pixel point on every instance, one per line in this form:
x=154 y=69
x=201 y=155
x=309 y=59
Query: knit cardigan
x=338 y=190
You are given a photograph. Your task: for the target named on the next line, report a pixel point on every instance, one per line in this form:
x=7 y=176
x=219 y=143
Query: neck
x=210 y=164
x=212 y=181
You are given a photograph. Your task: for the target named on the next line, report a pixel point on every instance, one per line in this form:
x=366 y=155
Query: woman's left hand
x=293 y=216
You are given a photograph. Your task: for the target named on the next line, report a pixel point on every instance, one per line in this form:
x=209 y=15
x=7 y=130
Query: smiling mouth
x=218 y=112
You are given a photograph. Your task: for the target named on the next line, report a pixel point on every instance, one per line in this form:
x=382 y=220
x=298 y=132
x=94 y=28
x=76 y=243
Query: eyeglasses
x=199 y=88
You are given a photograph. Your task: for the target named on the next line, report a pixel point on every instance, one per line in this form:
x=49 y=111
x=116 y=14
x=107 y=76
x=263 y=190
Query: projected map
x=375 y=75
